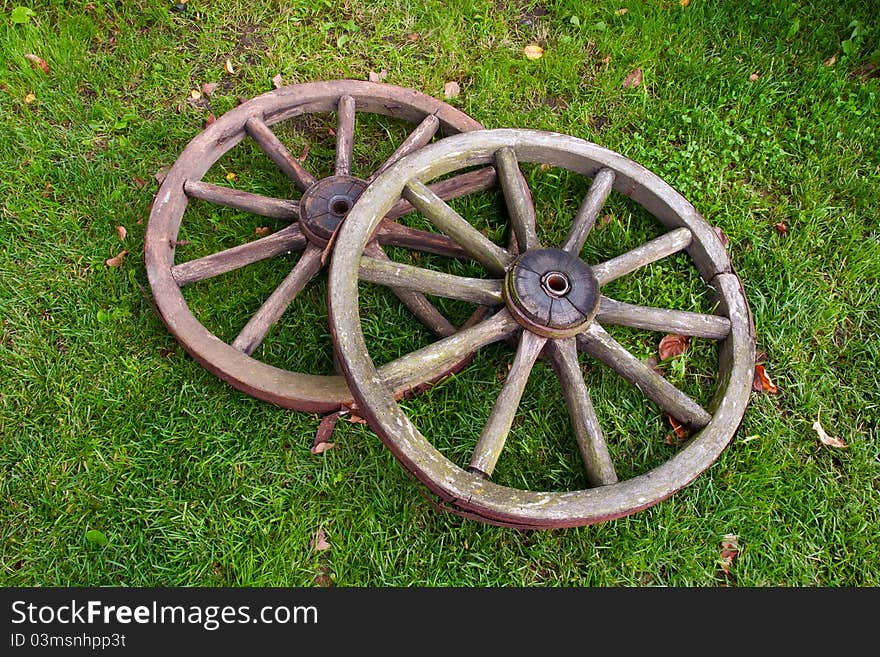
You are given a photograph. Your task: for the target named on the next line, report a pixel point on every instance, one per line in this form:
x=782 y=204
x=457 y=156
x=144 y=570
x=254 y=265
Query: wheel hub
x=551 y=292
x=325 y=204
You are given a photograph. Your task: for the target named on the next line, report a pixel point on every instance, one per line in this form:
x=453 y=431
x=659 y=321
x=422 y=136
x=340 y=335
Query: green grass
x=106 y=424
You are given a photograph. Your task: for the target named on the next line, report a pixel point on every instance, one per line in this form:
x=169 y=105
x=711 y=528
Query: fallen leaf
x=96 y=537
x=211 y=118
x=209 y=88
x=140 y=182
x=605 y=220
x=161 y=173
x=830 y=61
x=451 y=89
x=231 y=176
x=320 y=448
x=325 y=430
x=606 y=59
x=116 y=260
x=120 y=230
x=304 y=153
x=672 y=345
x=377 y=77
x=195 y=94
x=721 y=235
x=679 y=433
x=633 y=79
x=277 y=81
x=355 y=419
x=228 y=67
x=413 y=36
x=331 y=132
x=753 y=77
x=29 y=98
x=729 y=551
x=319 y=541
x=762 y=381
x=37 y=62
x=684 y=3
x=824 y=437
x=781 y=228
x=533 y=51
x=621 y=11
x=261 y=230
x=323 y=578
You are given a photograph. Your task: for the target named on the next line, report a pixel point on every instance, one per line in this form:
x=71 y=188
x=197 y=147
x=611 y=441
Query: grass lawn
x=124 y=462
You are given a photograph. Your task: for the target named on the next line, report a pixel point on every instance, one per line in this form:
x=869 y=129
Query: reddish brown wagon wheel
x=548 y=300
x=313 y=218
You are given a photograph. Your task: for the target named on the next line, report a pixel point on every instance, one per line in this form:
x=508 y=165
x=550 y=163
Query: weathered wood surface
x=588 y=211
x=681 y=322
x=450 y=188
x=278 y=153
x=286 y=240
x=399 y=275
x=345 y=135
x=265 y=206
x=518 y=198
x=587 y=431
x=419 y=137
x=447 y=220
x=644 y=254
x=497 y=427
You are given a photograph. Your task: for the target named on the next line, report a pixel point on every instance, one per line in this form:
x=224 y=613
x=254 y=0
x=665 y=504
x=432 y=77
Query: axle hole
x=340 y=206
x=556 y=283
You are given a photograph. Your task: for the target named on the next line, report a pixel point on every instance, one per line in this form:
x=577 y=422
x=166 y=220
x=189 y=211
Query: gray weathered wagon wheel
x=322 y=206
x=548 y=301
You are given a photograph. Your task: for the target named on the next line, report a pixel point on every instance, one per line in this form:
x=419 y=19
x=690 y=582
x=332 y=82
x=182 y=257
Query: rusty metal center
x=551 y=292
x=326 y=203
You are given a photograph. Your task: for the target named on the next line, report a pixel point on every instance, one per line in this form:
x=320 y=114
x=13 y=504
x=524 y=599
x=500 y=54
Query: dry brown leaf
x=319 y=540
x=377 y=77
x=161 y=173
x=413 y=36
x=633 y=79
x=231 y=176
x=605 y=220
x=762 y=381
x=684 y=3
x=195 y=94
x=679 y=433
x=211 y=118
x=323 y=578
x=533 y=51
x=753 y=77
x=831 y=61
x=729 y=551
x=116 y=260
x=140 y=182
x=261 y=230
x=228 y=67
x=37 y=62
x=781 y=228
x=29 y=98
x=721 y=235
x=120 y=230
x=324 y=432
x=621 y=11
x=209 y=87
x=355 y=419
x=320 y=448
x=824 y=437
x=451 y=89
x=672 y=345
x=304 y=153
x=277 y=81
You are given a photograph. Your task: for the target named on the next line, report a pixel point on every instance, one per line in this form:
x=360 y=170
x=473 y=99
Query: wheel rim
x=324 y=203
x=466 y=489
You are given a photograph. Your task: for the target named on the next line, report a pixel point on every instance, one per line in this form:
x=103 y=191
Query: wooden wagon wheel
x=547 y=301
x=322 y=206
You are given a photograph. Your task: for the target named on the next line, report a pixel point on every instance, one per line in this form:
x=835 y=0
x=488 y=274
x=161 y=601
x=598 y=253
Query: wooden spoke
x=601 y=346
x=391 y=233
x=447 y=220
x=270 y=312
x=591 y=205
x=344 y=135
x=430 y=362
x=494 y=434
x=423 y=133
x=285 y=240
x=417 y=302
x=518 y=199
x=590 y=440
x=698 y=325
x=399 y=275
x=278 y=153
x=264 y=206
x=450 y=188
x=665 y=245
